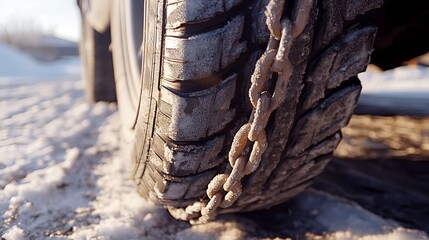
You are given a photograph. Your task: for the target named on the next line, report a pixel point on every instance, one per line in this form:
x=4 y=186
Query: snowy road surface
x=62 y=177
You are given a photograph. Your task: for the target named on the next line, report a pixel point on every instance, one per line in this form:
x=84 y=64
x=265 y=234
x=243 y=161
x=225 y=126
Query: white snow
x=62 y=177
x=17 y=66
x=14 y=233
x=411 y=81
x=400 y=91
x=342 y=219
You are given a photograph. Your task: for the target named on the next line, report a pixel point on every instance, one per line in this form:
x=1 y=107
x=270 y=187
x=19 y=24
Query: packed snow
x=62 y=175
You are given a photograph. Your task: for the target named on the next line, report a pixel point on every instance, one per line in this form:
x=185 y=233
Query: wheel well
x=402 y=33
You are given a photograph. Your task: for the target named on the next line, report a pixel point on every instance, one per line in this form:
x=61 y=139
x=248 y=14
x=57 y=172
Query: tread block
x=339 y=63
x=325 y=147
x=290 y=164
x=309 y=170
x=287 y=194
x=274 y=197
x=174 y=190
x=295 y=180
x=193 y=115
x=198 y=187
x=352 y=8
x=185 y=160
x=200 y=56
x=158 y=163
x=353 y=57
x=333 y=23
x=325 y=120
x=177 y=188
x=260 y=33
x=221 y=114
x=180 y=12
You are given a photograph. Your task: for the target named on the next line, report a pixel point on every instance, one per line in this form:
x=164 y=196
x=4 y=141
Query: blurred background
x=39 y=39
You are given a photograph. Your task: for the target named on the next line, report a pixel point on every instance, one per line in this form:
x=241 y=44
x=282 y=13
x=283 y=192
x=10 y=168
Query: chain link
x=225 y=189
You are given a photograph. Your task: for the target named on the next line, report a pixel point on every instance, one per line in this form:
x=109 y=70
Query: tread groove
x=191 y=28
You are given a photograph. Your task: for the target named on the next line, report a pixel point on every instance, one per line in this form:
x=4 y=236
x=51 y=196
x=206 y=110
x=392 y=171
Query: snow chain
x=225 y=189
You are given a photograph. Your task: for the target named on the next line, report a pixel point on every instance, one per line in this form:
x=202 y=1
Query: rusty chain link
x=225 y=189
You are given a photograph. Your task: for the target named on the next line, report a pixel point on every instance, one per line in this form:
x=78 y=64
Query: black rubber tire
x=97 y=66
x=402 y=33
x=127 y=69
x=198 y=59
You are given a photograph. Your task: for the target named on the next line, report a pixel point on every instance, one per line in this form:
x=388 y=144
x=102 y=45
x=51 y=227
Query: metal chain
x=225 y=189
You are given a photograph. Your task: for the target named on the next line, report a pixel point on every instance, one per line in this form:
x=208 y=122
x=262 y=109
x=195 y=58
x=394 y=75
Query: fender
x=96 y=13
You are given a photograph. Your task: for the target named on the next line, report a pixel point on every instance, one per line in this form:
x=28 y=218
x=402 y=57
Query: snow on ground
x=62 y=177
x=403 y=91
x=18 y=66
x=407 y=81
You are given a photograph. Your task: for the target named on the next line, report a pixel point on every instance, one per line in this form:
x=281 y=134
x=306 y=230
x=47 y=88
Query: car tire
x=97 y=66
x=193 y=96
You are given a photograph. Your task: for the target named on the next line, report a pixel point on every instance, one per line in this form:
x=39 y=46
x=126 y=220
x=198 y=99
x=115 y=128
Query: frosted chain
x=225 y=189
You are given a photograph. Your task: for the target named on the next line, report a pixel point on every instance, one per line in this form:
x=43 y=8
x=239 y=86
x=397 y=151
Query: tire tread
x=201 y=99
